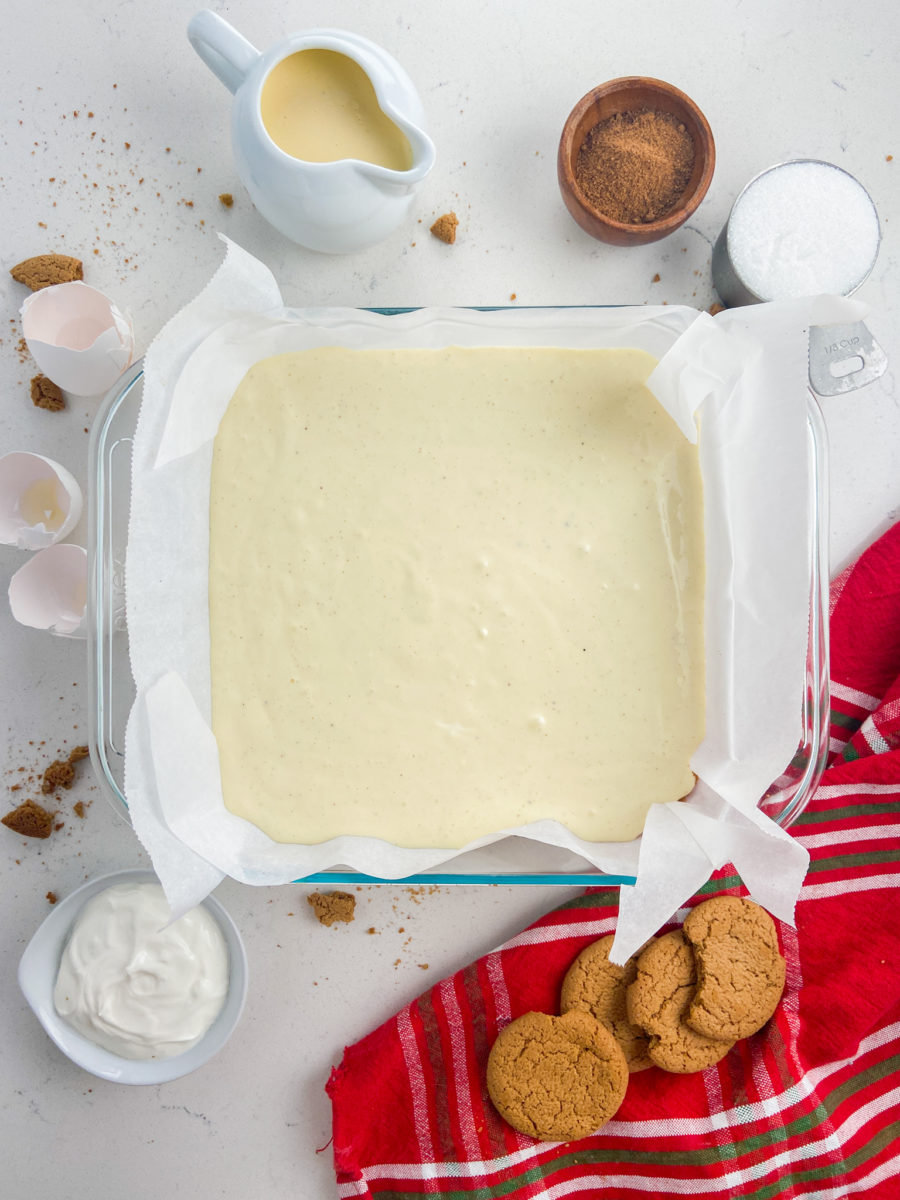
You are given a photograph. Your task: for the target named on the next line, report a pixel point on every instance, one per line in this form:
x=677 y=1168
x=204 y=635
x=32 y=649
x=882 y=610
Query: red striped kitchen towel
x=807 y=1108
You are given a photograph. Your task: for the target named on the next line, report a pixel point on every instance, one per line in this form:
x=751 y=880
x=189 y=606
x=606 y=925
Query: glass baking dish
x=112 y=691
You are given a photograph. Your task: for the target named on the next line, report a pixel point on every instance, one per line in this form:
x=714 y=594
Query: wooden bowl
x=631 y=94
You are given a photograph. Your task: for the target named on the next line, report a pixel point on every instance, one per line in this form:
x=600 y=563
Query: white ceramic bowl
x=37 y=976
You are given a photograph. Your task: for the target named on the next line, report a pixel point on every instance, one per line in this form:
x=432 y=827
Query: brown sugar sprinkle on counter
x=30 y=820
x=45 y=394
x=330 y=907
x=444 y=228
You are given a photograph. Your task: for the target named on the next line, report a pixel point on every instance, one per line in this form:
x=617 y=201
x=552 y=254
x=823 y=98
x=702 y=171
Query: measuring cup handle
x=227 y=54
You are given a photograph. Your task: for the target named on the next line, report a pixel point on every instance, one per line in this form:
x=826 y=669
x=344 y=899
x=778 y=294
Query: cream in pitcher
x=320 y=106
x=327 y=132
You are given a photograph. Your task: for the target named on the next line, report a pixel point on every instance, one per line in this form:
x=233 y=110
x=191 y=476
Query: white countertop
x=115 y=148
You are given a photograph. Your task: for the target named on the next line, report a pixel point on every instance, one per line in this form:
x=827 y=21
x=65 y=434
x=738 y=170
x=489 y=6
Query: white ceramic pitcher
x=334 y=207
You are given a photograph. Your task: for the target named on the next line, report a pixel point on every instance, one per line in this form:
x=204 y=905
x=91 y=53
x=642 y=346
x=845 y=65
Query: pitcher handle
x=226 y=52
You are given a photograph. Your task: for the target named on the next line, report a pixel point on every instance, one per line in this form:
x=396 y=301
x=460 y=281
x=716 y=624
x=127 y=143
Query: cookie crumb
x=61 y=773
x=58 y=775
x=45 y=270
x=78 y=809
x=715 y=308
x=45 y=394
x=30 y=820
x=655 y=278
x=332 y=906
x=226 y=199
x=52 y=897
x=444 y=228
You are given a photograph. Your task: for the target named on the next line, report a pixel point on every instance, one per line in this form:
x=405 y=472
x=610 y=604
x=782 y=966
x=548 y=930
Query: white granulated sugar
x=803 y=229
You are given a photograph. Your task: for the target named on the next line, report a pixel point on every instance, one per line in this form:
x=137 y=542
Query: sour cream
x=136 y=985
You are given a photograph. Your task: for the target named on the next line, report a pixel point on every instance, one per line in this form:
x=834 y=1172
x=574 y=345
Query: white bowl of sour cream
x=133 y=991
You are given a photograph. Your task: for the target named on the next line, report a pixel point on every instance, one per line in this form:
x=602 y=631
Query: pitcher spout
x=423 y=154
x=393 y=182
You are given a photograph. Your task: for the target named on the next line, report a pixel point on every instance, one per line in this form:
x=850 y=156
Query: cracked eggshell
x=77 y=337
x=40 y=501
x=50 y=591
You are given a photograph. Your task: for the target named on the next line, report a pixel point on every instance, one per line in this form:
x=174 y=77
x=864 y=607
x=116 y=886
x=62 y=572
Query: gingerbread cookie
x=740 y=971
x=658 y=1001
x=556 y=1078
x=47 y=269
x=593 y=984
x=29 y=819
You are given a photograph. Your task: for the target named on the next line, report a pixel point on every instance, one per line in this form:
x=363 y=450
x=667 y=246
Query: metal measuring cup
x=842 y=358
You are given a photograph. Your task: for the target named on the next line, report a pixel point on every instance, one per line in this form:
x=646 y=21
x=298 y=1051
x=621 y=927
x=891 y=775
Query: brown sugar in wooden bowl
x=630 y=95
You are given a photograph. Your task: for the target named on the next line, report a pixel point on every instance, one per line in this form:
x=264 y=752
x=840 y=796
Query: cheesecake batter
x=453 y=591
